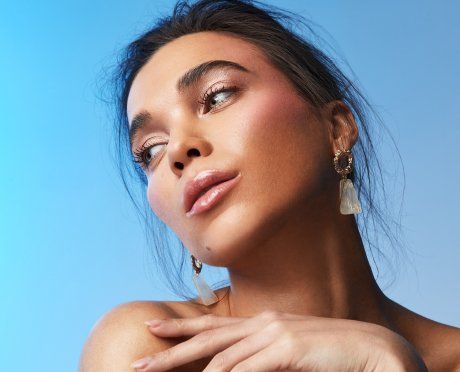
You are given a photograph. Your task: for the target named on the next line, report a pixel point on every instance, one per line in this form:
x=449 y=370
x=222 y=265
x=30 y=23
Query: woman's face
x=257 y=126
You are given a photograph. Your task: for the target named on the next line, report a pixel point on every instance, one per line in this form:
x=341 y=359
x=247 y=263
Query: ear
x=343 y=130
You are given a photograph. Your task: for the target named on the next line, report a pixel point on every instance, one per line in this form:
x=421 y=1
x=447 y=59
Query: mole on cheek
x=208 y=248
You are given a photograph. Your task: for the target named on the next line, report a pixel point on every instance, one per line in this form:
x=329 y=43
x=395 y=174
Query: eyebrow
x=188 y=79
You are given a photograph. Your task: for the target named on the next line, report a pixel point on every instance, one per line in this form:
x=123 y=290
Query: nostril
x=193 y=152
x=179 y=165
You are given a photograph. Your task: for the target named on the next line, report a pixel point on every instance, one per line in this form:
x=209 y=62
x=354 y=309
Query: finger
x=268 y=359
x=178 y=327
x=236 y=353
x=199 y=346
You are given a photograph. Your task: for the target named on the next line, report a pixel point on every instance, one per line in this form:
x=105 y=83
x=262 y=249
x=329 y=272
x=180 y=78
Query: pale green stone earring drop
x=207 y=295
x=349 y=203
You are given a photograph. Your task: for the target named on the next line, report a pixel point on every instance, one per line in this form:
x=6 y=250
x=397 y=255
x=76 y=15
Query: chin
x=229 y=237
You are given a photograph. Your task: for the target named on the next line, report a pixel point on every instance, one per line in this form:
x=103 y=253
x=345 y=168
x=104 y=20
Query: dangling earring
x=207 y=295
x=349 y=203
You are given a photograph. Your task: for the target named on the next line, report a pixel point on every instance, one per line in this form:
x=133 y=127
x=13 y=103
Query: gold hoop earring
x=207 y=295
x=349 y=203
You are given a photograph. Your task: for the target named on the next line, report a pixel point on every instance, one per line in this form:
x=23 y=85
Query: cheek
x=284 y=144
x=158 y=195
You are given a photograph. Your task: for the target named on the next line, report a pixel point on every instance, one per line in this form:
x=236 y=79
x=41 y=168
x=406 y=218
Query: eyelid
x=138 y=153
x=217 y=88
x=218 y=82
x=147 y=142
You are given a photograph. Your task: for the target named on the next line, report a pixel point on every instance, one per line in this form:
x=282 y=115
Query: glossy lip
x=206 y=189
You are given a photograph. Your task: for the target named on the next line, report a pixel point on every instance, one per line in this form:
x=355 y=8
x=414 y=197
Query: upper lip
x=203 y=181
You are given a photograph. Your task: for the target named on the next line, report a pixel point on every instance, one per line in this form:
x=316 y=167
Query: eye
x=147 y=153
x=210 y=97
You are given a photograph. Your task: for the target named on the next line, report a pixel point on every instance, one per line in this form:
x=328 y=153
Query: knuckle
x=209 y=319
x=165 y=356
x=270 y=315
x=218 y=363
x=179 y=323
x=290 y=340
x=277 y=326
x=205 y=338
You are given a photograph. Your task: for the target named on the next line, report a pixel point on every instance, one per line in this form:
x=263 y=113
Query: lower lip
x=212 y=196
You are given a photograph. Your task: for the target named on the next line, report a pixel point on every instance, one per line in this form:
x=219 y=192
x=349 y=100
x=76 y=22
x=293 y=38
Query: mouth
x=206 y=189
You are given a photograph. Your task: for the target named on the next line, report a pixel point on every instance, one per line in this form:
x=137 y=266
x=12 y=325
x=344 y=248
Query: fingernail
x=153 y=322
x=141 y=363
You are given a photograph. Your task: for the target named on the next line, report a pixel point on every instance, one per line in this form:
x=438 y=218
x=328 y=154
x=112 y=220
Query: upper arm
x=120 y=337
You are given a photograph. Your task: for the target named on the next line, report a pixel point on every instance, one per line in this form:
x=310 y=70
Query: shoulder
x=437 y=343
x=120 y=336
x=442 y=346
x=445 y=347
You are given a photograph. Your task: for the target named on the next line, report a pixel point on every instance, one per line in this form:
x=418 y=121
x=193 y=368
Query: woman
x=222 y=97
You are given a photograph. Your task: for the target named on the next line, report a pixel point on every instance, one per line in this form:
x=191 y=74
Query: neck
x=317 y=269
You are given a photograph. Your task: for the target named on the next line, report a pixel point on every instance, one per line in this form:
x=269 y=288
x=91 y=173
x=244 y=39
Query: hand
x=274 y=341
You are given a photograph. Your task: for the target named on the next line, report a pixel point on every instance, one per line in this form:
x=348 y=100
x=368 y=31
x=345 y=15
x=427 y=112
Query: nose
x=183 y=150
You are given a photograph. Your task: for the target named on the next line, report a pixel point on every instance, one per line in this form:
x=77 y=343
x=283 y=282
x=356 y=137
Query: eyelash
x=211 y=93
x=139 y=154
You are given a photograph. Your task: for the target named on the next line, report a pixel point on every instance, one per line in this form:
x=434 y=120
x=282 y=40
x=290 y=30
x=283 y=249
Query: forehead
x=163 y=69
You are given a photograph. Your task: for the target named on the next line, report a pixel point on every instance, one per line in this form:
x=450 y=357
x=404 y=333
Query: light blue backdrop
x=71 y=246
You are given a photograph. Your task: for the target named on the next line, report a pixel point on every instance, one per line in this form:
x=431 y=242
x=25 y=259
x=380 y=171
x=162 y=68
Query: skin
x=294 y=254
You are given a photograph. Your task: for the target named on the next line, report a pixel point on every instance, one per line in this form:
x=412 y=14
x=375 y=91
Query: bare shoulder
x=443 y=350
x=120 y=336
x=437 y=343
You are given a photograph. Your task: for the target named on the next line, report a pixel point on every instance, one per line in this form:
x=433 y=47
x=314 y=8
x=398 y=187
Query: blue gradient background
x=71 y=247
